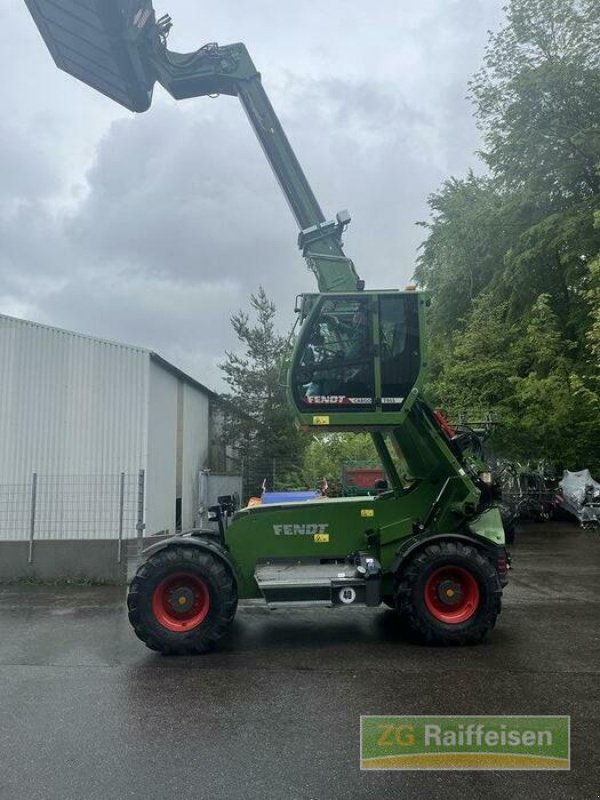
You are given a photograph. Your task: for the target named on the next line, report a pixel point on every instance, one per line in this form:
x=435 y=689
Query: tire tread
x=411 y=609
x=223 y=596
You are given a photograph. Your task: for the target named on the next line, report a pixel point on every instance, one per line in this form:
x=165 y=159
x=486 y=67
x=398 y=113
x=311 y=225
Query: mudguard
x=204 y=539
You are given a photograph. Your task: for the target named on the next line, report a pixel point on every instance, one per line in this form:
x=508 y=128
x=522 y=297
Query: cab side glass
x=399 y=347
x=335 y=369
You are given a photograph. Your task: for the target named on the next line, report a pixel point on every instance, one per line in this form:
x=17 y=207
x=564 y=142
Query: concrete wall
x=55 y=560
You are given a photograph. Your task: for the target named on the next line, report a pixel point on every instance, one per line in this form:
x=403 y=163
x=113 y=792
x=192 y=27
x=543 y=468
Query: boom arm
x=119 y=48
x=229 y=70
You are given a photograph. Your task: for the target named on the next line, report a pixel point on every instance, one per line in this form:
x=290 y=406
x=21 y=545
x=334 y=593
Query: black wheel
x=388 y=600
x=449 y=594
x=182 y=600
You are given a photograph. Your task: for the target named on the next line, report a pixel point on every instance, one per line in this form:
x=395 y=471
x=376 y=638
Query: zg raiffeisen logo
x=478 y=742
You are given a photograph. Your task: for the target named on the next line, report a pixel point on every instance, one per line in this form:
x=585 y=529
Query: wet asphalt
x=86 y=711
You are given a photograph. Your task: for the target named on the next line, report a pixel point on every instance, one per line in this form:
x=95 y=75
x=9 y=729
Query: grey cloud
x=25 y=172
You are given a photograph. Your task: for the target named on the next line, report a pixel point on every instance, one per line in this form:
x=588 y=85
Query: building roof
x=158 y=359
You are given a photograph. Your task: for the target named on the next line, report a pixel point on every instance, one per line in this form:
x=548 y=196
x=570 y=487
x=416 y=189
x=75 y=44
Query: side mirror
x=228 y=503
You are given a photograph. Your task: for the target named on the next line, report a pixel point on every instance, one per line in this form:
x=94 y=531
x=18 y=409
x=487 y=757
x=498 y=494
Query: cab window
x=335 y=369
x=399 y=348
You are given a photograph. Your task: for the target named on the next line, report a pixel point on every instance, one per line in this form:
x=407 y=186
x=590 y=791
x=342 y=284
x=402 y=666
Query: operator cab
x=357 y=353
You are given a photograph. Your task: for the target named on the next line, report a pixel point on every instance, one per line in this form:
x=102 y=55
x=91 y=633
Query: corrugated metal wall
x=69 y=404
x=73 y=407
x=178 y=446
x=196 y=450
x=162 y=451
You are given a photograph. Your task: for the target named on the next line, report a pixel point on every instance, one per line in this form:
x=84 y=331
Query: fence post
x=140 y=513
x=121 y=509
x=32 y=517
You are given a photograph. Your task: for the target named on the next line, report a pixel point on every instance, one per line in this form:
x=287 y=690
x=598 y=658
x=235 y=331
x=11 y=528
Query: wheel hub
x=452 y=594
x=181 y=599
x=449 y=593
x=181 y=602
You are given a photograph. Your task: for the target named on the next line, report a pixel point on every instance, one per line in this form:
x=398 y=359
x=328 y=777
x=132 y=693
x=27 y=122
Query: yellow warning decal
x=367 y=512
x=321 y=538
x=320 y=420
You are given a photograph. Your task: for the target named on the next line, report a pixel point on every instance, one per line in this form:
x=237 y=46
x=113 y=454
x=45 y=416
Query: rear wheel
x=182 y=600
x=449 y=593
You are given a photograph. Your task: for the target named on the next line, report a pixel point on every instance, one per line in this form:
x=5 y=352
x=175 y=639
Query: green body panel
x=375 y=525
x=438 y=494
x=489 y=525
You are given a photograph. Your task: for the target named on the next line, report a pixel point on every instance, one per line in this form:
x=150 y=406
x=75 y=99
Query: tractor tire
x=182 y=600
x=449 y=594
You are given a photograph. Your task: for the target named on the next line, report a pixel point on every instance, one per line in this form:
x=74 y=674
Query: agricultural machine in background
x=432 y=543
x=529 y=492
x=578 y=496
x=361 y=479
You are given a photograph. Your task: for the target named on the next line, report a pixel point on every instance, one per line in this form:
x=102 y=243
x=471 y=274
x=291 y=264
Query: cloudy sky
x=153 y=229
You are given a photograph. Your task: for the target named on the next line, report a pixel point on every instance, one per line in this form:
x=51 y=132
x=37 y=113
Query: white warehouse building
x=97 y=439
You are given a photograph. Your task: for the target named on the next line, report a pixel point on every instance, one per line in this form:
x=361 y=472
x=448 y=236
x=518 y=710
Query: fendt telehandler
x=432 y=545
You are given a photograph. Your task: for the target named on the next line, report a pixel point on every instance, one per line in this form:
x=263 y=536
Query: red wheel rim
x=181 y=602
x=452 y=595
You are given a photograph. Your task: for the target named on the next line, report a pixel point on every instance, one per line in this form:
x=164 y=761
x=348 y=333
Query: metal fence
x=82 y=507
x=293 y=473
x=261 y=473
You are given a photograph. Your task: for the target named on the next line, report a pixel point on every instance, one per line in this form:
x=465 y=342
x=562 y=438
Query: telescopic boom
x=118 y=47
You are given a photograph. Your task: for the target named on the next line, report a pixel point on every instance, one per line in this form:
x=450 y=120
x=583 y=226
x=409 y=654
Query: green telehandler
x=432 y=544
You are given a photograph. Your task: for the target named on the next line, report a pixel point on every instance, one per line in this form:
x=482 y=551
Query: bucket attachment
x=97 y=41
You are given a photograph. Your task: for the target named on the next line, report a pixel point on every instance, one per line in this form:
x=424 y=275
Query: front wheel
x=449 y=594
x=182 y=600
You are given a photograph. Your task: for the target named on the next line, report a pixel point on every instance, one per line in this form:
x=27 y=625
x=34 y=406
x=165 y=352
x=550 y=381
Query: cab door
x=334 y=367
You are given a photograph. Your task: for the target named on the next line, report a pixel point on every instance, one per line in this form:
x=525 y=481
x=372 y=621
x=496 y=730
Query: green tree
x=326 y=454
x=512 y=258
x=523 y=373
x=540 y=404
x=261 y=425
x=536 y=98
x=474 y=364
x=474 y=224
x=593 y=297
x=456 y=262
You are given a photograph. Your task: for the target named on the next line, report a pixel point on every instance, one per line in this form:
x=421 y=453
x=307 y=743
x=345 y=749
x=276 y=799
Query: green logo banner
x=479 y=742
